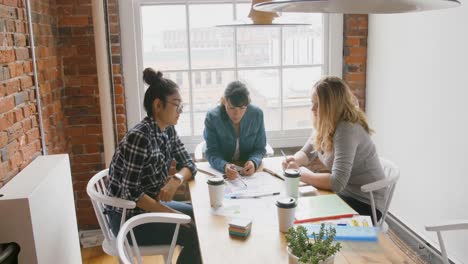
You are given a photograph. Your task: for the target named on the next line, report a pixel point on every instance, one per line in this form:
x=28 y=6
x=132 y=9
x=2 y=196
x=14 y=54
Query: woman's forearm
x=152 y=205
x=318 y=180
x=301 y=158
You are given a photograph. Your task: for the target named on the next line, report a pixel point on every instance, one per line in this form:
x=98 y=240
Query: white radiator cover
x=38 y=212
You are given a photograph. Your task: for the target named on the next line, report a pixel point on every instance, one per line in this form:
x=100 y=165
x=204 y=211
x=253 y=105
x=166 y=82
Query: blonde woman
x=341 y=139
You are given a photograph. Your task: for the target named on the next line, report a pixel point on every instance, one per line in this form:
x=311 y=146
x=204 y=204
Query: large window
x=279 y=64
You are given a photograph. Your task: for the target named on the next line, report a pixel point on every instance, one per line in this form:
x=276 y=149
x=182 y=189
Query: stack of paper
x=240 y=227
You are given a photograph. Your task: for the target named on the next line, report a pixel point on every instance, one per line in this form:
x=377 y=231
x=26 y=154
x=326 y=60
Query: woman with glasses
x=140 y=169
x=235 y=133
x=341 y=139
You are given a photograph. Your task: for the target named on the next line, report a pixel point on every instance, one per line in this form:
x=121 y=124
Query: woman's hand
x=230 y=171
x=249 y=168
x=167 y=192
x=289 y=163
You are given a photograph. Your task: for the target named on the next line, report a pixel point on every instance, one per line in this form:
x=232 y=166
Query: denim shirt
x=220 y=137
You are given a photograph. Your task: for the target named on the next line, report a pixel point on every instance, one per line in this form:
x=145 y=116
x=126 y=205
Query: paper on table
x=256 y=185
x=233 y=210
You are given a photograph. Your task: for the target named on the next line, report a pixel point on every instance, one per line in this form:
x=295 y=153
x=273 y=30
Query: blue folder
x=350 y=233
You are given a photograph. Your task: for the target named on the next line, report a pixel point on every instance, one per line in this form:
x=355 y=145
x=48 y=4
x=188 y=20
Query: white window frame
x=132 y=64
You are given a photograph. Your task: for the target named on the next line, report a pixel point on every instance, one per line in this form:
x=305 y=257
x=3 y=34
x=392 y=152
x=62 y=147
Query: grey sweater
x=353 y=162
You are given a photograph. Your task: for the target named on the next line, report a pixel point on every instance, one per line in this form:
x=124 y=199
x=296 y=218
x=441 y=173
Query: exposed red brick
x=7 y=55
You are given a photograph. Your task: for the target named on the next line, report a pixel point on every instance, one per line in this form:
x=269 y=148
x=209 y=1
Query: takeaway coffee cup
x=216 y=190
x=291 y=181
x=286 y=210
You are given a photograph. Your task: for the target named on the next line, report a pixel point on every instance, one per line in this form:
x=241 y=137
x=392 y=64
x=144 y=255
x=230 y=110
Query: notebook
x=322 y=207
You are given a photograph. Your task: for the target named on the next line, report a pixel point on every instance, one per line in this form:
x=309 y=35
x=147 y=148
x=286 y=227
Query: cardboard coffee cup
x=216 y=191
x=286 y=213
x=291 y=181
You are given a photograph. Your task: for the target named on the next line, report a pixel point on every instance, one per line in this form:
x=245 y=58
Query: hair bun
x=150 y=76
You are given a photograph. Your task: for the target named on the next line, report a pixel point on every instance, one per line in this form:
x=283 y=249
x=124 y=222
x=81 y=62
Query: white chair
x=199 y=153
x=129 y=253
x=96 y=190
x=392 y=174
x=448 y=226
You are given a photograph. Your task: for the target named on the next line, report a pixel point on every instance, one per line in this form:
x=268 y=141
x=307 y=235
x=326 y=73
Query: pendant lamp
x=259 y=18
x=355 y=6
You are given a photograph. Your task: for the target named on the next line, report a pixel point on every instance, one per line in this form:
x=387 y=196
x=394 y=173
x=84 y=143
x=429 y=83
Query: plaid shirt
x=142 y=161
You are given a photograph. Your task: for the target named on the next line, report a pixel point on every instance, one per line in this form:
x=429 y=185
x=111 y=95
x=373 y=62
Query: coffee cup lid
x=292 y=173
x=215 y=181
x=286 y=202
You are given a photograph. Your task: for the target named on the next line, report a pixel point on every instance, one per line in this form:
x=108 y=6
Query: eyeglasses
x=179 y=107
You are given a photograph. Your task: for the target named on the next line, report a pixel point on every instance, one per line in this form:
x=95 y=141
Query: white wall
x=417 y=101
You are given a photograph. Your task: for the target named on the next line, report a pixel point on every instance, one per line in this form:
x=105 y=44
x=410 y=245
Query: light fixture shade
x=259 y=18
x=355 y=6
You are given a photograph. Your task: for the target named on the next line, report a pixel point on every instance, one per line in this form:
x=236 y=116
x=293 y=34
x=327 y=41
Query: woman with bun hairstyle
x=235 y=133
x=342 y=141
x=140 y=169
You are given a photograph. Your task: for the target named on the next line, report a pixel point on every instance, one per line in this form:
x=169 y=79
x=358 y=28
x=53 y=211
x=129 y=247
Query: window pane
x=164 y=37
x=298 y=83
x=211 y=46
x=303 y=44
x=181 y=78
x=264 y=91
x=258 y=46
x=206 y=95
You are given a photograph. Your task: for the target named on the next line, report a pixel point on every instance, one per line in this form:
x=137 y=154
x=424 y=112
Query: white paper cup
x=216 y=191
x=291 y=182
x=286 y=213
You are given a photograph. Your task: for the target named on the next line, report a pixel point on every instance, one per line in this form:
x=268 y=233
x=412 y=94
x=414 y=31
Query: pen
x=272 y=173
x=254 y=196
x=239 y=176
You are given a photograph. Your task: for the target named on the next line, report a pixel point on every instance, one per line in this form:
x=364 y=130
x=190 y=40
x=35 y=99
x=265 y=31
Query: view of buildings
x=268 y=60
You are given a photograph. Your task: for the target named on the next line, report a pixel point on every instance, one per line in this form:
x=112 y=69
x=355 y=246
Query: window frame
x=132 y=64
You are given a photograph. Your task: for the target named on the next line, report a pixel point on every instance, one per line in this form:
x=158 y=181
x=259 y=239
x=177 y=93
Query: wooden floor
x=95 y=255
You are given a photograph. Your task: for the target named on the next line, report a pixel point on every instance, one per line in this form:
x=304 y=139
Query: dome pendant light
x=259 y=18
x=355 y=6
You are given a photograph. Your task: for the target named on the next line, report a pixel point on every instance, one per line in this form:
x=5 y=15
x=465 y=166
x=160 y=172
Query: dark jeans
x=161 y=234
x=360 y=207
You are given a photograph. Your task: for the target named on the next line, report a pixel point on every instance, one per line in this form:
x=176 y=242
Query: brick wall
x=355 y=55
x=19 y=131
x=81 y=96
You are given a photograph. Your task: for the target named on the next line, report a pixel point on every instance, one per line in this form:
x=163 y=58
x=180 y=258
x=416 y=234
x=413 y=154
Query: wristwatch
x=179 y=177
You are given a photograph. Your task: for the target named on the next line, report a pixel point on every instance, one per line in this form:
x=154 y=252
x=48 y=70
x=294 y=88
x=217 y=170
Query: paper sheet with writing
x=250 y=185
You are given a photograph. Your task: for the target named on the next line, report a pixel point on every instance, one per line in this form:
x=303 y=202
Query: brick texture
x=81 y=96
x=19 y=129
x=355 y=55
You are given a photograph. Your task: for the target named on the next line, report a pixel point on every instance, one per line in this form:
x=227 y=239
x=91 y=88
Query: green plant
x=312 y=251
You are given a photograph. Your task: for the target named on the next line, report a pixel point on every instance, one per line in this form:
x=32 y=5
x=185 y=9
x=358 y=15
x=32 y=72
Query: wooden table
x=265 y=243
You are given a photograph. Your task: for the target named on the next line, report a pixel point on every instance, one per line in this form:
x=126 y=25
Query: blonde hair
x=336 y=103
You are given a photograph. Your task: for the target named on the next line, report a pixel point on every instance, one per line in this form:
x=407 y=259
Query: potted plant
x=318 y=250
